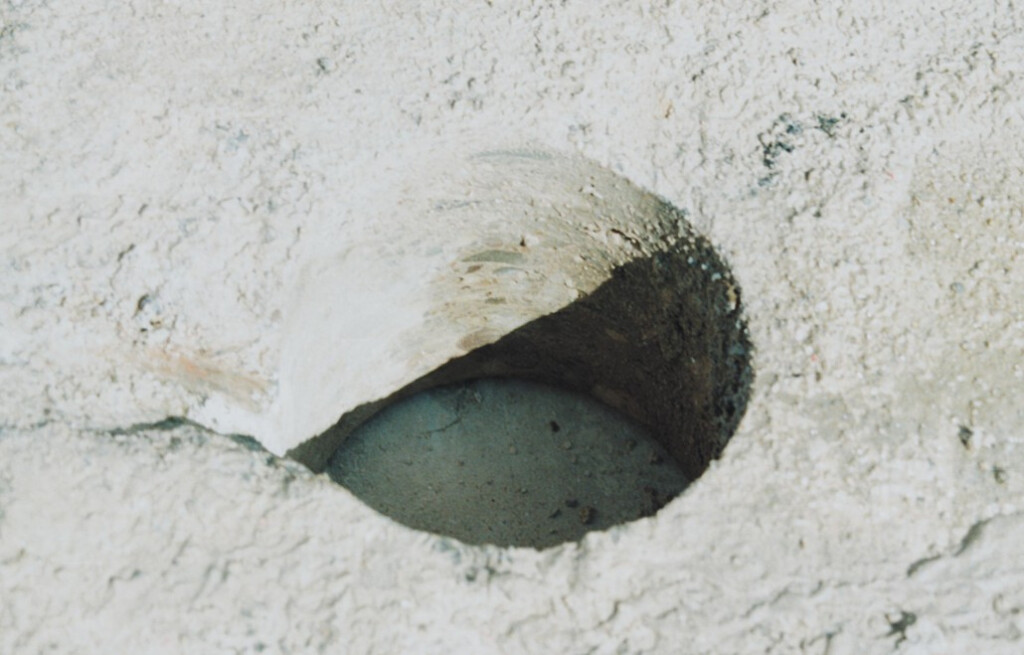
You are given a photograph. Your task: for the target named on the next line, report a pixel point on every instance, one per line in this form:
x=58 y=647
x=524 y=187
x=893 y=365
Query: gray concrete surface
x=164 y=168
x=507 y=463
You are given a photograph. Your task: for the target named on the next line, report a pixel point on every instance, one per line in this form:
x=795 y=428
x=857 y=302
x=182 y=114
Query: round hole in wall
x=500 y=292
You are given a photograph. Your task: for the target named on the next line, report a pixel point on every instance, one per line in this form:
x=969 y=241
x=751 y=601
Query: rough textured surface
x=859 y=165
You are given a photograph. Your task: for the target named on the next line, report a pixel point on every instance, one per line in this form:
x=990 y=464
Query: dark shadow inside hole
x=662 y=341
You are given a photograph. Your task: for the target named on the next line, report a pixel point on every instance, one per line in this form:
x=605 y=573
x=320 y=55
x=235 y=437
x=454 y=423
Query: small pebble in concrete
x=587 y=515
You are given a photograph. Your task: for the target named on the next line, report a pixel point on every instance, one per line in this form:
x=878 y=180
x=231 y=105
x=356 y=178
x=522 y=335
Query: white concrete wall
x=163 y=168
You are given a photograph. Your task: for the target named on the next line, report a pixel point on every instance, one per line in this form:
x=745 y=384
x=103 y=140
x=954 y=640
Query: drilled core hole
x=523 y=266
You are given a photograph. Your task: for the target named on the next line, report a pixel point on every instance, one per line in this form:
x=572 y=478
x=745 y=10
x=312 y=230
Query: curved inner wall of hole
x=661 y=341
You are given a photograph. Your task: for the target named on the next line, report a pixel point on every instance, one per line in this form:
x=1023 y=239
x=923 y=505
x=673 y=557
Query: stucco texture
x=166 y=169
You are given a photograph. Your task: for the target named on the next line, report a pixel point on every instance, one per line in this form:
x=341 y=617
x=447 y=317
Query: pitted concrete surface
x=164 y=168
